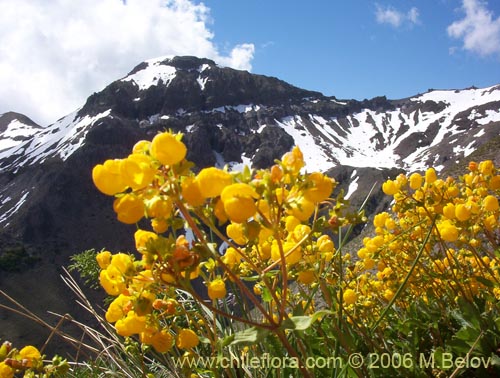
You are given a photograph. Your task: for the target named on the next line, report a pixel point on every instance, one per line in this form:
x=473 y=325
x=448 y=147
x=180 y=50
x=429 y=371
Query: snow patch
x=16 y=133
x=353 y=186
x=233 y=166
x=152 y=75
x=316 y=159
x=479 y=133
x=338 y=102
x=201 y=82
x=13 y=209
x=491 y=116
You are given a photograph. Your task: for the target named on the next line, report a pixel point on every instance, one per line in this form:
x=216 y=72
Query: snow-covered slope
x=60 y=139
x=412 y=136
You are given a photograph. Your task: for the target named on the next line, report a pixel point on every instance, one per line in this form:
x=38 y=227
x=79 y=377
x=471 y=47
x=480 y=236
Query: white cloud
x=394 y=17
x=479 y=30
x=53 y=55
x=413 y=15
x=240 y=57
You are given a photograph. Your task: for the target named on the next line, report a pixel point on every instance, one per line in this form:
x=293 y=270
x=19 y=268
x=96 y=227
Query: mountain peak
x=15 y=128
x=186 y=63
x=9 y=117
x=170 y=85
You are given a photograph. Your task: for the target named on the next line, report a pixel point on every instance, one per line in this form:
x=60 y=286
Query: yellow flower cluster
x=204 y=238
x=449 y=227
x=259 y=217
x=28 y=361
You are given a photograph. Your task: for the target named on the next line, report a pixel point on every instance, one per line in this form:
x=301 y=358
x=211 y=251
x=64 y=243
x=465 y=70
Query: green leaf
x=485 y=281
x=467 y=315
x=252 y=335
x=303 y=322
x=226 y=340
x=467 y=334
x=495 y=360
x=266 y=294
x=204 y=340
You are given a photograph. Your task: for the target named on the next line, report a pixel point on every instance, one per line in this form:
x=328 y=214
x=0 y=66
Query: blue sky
x=54 y=54
x=342 y=48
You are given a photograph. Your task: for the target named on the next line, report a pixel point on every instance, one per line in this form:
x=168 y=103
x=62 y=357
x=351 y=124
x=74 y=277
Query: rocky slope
x=50 y=210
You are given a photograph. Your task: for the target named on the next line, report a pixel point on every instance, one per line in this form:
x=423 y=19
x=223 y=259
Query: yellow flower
x=235 y=231
x=159 y=207
x=276 y=173
x=325 y=244
x=390 y=224
x=490 y=203
x=281 y=194
x=141 y=147
x=430 y=176
x=219 y=212
x=231 y=257
x=129 y=208
x=390 y=187
x=212 y=180
x=30 y=354
x=369 y=263
x=130 y=325
x=291 y=258
x=239 y=204
x=379 y=219
x=415 y=181
x=486 y=167
x=168 y=149
x=216 y=289
x=103 y=259
x=495 y=183
x=187 y=339
x=293 y=160
x=306 y=277
x=321 y=189
x=363 y=253
x=107 y=177
x=162 y=341
x=191 y=192
x=349 y=296
x=452 y=191
x=122 y=262
x=291 y=222
x=159 y=225
x=388 y=294
x=118 y=308
x=448 y=231
x=112 y=281
x=137 y=171
x=299 y=232
x=257 y=289
x=490 y=222
x=462 y=212
x=6 y=371
x=142 y=238
x=302 y=208
x=449 y=211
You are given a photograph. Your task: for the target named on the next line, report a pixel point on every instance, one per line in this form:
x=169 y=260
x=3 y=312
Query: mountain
x=50 y=210
x=15 y=129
